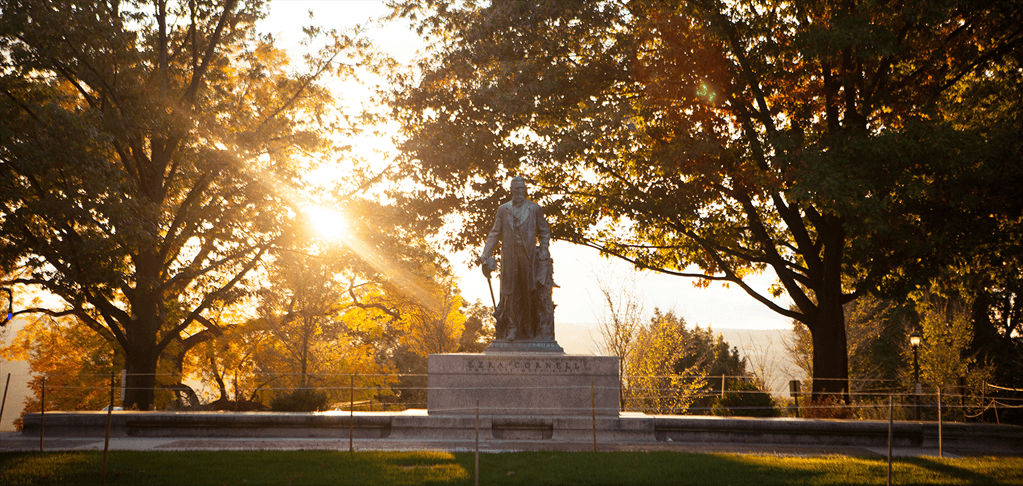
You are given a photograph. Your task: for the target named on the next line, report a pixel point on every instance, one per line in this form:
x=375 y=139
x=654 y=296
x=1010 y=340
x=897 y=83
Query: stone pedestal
x=523 y=384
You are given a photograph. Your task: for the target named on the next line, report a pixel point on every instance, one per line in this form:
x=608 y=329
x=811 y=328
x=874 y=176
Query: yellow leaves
x=76 y=362
x=653 y=383
x=268 y=54
x=436 y=326
x=947 y=328
x=18 y=349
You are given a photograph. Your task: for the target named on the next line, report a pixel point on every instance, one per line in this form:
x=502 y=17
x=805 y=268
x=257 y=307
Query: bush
x=241 y=405
x=302 y=400
x=745 y=399
x=827 y=408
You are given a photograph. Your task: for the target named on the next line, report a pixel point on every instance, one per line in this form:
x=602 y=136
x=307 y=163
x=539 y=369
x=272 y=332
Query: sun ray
x=327 y=223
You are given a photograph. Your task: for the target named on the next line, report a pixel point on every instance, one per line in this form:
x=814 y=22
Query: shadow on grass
x=673 y=468
x=987 y=470
x=648 y=468
x=250 y=468
x=18 y=468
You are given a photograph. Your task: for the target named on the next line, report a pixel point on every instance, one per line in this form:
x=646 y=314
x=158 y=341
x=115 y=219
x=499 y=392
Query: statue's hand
x=489 y=265
x=545 y=254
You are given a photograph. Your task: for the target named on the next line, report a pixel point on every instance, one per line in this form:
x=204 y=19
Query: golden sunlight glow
x=327 y=223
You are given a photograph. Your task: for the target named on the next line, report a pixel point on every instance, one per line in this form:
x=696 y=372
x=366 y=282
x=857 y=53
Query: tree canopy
x=715 y=140
x=150 y=154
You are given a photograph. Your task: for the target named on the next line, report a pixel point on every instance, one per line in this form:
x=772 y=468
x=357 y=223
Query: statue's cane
x=489 y=265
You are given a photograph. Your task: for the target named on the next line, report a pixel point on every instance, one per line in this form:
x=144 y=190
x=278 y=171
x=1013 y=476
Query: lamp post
x=914 y=340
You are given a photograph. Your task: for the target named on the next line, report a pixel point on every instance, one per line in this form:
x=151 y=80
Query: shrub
x=240 y=405
x=827 y=408
x=301 y=400
x=745 y=399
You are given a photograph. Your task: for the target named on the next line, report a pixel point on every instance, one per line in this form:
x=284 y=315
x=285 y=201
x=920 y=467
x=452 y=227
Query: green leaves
x=714 y=140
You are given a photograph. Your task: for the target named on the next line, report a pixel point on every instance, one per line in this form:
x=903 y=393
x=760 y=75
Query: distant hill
x=760 y=347
x=766 y=347
x=576 y=338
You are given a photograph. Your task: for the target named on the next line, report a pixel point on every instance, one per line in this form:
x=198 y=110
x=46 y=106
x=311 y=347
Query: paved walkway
x=12 y=441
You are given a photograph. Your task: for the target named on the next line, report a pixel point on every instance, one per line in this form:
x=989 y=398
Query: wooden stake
x=351 y=416
x=42 y=414
x=106 y=442
x=940 y=452
x=891 y=422
x=4 y=401
x=476 y=474
x=593 y=408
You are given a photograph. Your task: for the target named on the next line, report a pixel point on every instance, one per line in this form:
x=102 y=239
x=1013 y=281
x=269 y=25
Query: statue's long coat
x=532 y=229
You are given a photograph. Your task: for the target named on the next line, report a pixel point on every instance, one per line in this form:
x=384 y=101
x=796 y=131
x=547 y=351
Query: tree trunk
x=140 y=382
x=830 y=349
x=830 y=354
x=142 y=334
x=220 y=381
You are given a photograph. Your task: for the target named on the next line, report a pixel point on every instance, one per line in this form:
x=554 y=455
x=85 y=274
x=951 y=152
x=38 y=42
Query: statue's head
x=518 y=189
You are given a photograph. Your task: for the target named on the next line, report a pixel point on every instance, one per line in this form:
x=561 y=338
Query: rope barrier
x=386 y=391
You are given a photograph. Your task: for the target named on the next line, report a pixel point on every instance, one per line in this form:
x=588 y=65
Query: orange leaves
x=75 y=361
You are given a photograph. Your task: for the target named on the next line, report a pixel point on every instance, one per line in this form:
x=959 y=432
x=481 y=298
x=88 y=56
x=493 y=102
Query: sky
x=575 y=267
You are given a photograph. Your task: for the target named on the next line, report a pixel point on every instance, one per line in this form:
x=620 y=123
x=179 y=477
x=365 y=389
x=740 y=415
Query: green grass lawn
x=442 y=468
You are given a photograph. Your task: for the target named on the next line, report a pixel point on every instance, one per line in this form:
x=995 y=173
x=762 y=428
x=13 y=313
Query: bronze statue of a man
x=525 y=311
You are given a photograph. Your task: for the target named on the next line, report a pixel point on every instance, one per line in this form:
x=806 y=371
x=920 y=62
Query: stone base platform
x=541 y=385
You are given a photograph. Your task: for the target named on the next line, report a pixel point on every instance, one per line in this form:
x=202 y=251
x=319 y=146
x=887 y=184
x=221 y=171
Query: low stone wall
x=211 y=424
x=629 y=428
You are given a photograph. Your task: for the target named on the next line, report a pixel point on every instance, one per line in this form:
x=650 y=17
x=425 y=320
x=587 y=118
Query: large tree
x=715 y=139
x=993 y=277
x=148 y=162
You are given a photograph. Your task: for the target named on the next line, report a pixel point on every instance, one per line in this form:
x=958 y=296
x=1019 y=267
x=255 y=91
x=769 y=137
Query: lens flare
x=327 y=223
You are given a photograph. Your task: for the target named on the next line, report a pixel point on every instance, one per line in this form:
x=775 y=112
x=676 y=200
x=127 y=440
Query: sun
x=327 y=223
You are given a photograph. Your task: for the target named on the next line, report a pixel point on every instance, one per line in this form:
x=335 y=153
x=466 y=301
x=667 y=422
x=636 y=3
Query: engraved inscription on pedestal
x=526 y=366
